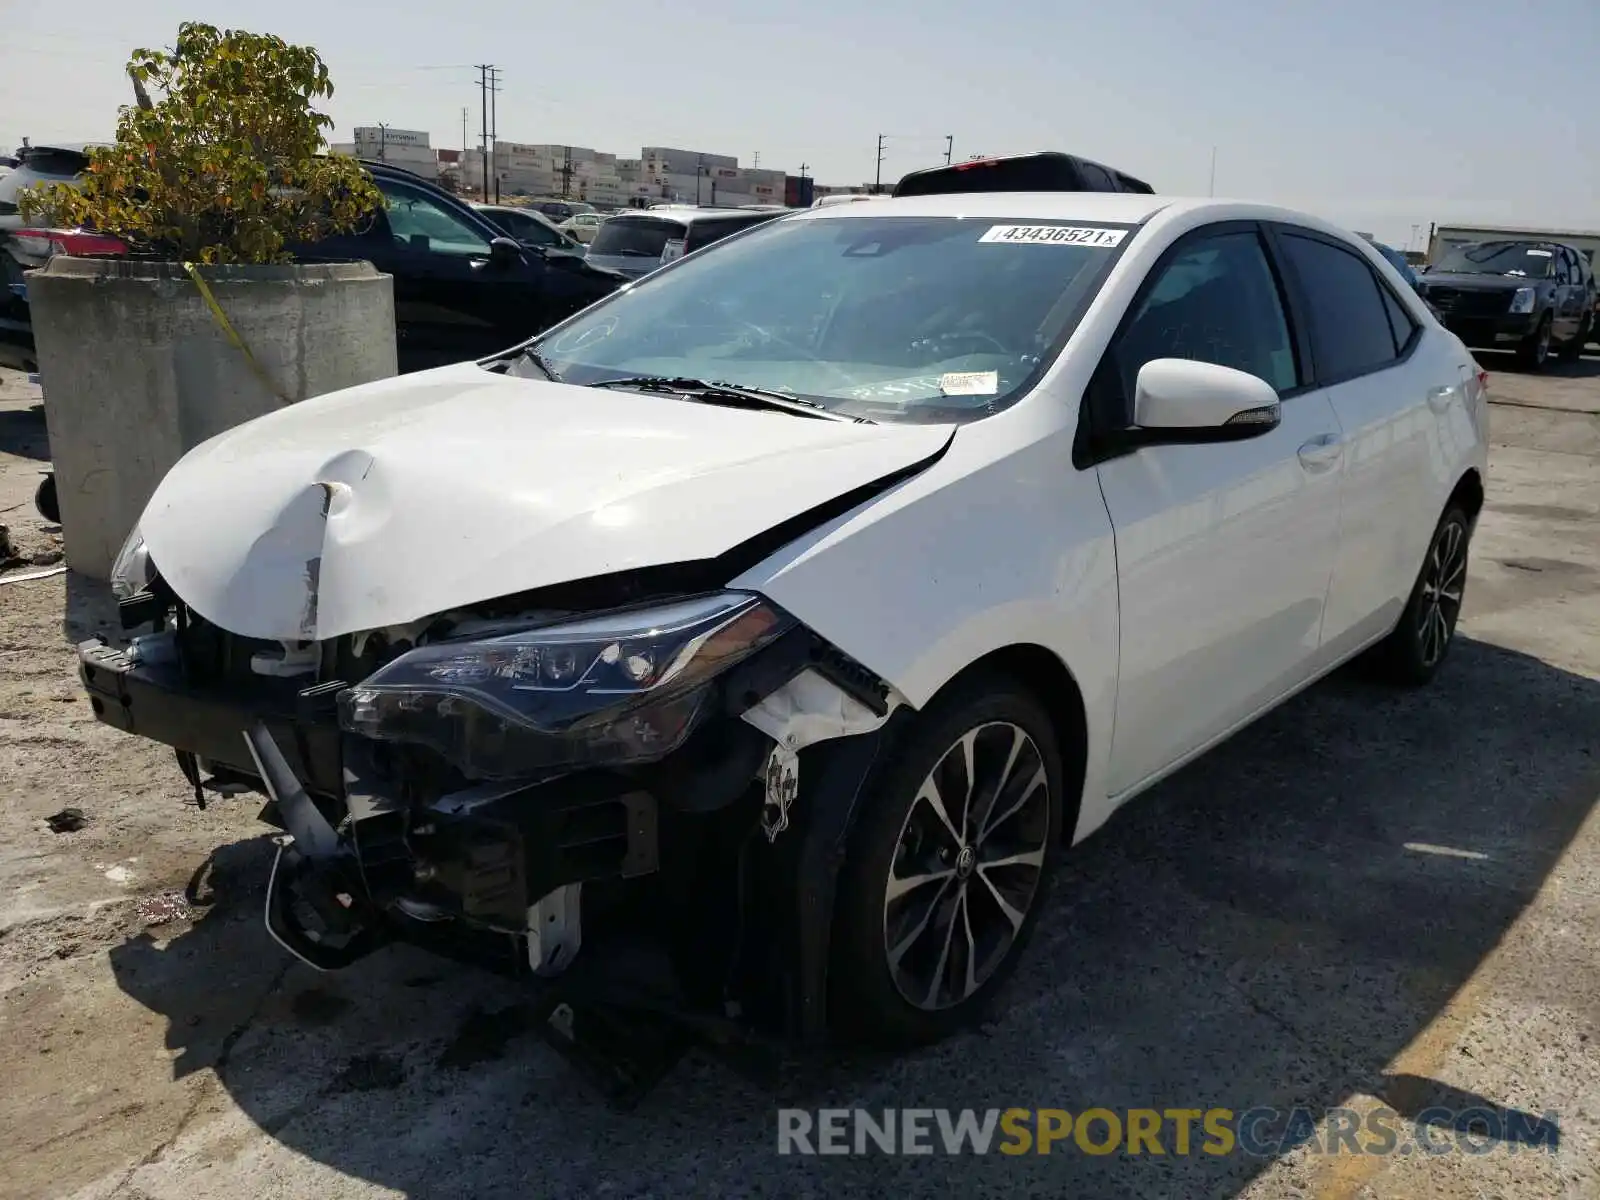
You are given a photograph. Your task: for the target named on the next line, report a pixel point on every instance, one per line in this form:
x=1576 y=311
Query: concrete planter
x=137 y=370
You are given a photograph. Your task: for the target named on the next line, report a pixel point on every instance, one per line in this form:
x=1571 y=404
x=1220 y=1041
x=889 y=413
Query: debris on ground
x=162 y=908
x=68 y=820
x=59 y=569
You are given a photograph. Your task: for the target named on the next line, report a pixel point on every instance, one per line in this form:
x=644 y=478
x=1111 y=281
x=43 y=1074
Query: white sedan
x=582 y=226
x=803 y=628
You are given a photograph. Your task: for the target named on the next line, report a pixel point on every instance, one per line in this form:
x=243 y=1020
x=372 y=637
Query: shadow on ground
x=22 y=432
x=1268 y=927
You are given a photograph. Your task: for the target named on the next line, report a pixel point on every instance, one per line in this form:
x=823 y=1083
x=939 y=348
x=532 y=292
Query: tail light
x=74 y=243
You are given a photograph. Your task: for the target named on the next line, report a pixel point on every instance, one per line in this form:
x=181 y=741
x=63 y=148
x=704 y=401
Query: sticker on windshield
x=1540 y=254
x=1056 y=235
x=969 y=383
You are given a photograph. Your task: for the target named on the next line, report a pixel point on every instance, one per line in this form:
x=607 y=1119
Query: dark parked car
x=1047 y=171
x=462 y=288
x=1527 y=296
x=532 y=228
x=637 y=243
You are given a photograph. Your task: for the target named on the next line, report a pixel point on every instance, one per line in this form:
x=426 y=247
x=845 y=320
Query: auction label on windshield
x=969 y=383
x=1056 y=235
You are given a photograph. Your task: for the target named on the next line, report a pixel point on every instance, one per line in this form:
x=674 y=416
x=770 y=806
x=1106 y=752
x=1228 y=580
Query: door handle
x=1439 y=398
x=1321 y=452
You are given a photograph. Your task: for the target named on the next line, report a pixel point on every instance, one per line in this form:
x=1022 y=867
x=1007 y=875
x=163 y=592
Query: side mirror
x=1181 y=400
x=504 y=251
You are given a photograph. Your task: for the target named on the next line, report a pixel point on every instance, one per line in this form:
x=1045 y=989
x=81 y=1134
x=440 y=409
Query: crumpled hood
x=390 y=502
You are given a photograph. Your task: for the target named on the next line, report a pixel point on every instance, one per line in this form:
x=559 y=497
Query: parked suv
x=462 y=288
x=637 y=243
x=1047 y=171
x=1527 y=296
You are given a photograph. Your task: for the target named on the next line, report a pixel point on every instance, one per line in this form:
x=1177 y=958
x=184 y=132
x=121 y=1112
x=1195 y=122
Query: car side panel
x=984 y=550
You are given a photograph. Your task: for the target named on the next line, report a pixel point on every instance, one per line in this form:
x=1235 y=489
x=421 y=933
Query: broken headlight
x=132 y=572
x=622 y=687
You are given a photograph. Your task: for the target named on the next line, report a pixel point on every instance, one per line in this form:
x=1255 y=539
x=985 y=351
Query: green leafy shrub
x=226 y=165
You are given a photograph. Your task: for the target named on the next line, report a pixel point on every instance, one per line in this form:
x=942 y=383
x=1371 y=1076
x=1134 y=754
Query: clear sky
x=1379 y=114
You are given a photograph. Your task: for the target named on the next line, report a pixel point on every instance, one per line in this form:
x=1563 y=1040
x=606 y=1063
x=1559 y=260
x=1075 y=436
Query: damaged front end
x=642 y=783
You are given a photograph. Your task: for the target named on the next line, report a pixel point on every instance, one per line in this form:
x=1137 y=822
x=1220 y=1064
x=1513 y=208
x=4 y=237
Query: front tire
x=1535 y=349
x=1414 y=652
x=947 y=867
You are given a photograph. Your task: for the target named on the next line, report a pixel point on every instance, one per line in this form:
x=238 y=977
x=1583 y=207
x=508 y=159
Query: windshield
x=635 y=237
x=912 y=318
x=1499 y=258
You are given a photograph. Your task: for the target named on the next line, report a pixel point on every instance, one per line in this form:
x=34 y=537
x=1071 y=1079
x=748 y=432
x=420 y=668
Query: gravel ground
x=1367 y=898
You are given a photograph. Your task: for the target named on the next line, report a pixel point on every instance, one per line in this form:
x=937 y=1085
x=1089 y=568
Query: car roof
x=1119 y=208
x=1113 y=208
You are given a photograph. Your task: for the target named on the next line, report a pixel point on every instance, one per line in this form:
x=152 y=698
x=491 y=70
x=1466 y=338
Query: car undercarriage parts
x=313 y=836
x=808 y=709
x=555 y=930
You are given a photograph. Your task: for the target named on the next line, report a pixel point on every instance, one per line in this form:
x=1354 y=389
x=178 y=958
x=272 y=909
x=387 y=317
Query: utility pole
x=804 y=167
x=494 y=129
x=483 y=124
x=566 y=172
x=699 y=170
x=383 y=140
x=949 y=147
x=463 y=128
x=1213 y=188
x=758 y=160
x=877 y=181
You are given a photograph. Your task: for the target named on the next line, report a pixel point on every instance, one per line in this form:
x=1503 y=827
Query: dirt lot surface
x=1367 y=898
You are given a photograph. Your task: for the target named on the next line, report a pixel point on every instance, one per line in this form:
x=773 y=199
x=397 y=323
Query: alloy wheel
x=1541 y=346
x=967 y=865
x=1442 y=587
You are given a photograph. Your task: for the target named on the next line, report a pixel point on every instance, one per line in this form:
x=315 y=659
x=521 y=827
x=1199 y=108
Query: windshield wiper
x=711 y=391
x=543 y=363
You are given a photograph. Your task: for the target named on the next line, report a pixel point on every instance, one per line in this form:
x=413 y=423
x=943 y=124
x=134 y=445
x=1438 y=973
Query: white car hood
x=387 y=503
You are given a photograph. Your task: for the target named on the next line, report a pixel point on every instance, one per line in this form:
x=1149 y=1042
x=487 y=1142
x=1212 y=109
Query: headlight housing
x=627 y=686
x=1522 y=300
x=132 y=572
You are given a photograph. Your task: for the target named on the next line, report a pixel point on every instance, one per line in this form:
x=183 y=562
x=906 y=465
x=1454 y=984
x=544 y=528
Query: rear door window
x=1350 y=322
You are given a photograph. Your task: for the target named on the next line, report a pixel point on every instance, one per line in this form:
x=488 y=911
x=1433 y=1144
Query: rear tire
x=44 y=499
x=1414 y=652
x=1573 y=350
x=970 y=807
x=1534 y=352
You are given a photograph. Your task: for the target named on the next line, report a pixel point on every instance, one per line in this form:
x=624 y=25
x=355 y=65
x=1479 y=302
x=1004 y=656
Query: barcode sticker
x=1055 y=235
